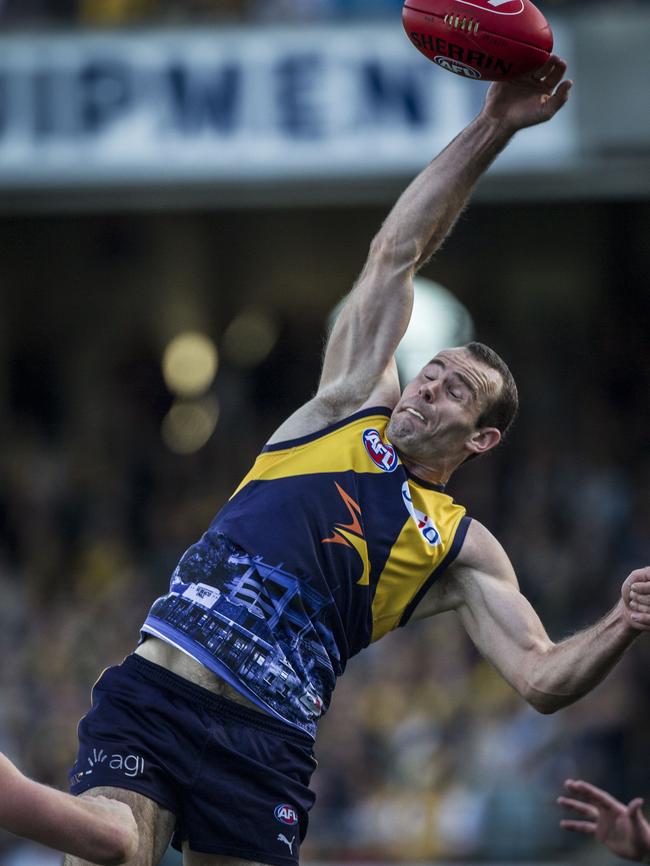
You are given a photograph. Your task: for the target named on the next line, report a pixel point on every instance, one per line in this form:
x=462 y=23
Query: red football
x=488 y=39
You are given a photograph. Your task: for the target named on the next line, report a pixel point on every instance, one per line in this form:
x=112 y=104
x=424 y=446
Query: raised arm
x=358 y=359
x=482 y=588
x=98 y=829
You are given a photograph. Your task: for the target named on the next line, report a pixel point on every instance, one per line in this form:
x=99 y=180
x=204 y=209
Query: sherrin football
x=489 y=39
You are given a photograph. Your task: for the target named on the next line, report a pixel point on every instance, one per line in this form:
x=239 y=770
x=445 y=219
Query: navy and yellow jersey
x=326 y=545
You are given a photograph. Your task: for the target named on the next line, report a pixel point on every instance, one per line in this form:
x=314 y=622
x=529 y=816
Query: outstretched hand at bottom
x=623 y=829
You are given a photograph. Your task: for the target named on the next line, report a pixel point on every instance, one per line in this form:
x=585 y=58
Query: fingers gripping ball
x=489 y=39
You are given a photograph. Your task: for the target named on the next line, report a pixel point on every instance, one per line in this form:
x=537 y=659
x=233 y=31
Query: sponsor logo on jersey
x=424 y=523
x=382 y=455
x=351 y=534
x=456 y=66
x=499 y=7
x=286 y=814
x=98 y=757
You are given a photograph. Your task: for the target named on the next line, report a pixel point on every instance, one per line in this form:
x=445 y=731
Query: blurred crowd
x=425 y=753
x=170 y=12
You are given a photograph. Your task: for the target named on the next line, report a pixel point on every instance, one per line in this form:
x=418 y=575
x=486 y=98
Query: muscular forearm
x=427 y=210
x=59 y=820
x=483 y=589
x=569 y=669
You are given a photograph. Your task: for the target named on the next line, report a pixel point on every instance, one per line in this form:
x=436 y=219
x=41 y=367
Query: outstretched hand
x=623 y=829
x=636 y=599
x=529 y=99
x=120 y=816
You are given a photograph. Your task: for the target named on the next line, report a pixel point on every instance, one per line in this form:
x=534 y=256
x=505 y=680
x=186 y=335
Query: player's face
x=436 y=416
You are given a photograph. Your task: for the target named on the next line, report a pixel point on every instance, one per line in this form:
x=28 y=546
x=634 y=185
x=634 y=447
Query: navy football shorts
x=237 y=780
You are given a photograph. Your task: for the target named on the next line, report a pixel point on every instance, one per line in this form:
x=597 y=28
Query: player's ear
x=483 y=440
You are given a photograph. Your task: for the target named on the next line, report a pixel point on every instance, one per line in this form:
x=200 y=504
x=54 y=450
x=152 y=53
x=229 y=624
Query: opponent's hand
x=530 y=99
x=120 y=816
x=635 y=593
x=623 y=829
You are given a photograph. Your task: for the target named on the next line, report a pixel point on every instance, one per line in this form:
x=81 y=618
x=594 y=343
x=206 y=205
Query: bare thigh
x=155 y=824
x=194 y=858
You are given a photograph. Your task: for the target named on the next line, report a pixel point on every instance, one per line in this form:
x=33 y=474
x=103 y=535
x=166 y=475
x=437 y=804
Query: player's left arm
x=98 y=829
x=482 y=587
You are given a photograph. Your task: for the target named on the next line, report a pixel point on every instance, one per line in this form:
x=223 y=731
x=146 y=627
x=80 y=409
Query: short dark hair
x=502 y=410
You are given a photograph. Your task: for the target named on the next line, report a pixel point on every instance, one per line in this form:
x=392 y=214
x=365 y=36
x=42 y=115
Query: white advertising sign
x=223 y=105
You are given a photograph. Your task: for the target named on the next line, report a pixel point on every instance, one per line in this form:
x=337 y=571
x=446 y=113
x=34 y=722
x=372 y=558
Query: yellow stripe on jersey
x=414 y=558
x=337 y=451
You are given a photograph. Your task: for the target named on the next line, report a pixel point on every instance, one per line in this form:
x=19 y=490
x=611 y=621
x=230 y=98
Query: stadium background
x=425 y=754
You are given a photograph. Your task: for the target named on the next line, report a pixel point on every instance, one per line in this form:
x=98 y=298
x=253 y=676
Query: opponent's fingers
x=578 y=826
x=592 y=794
x=640 y=576
x=640 y=587
x=640 y=603
x=641 y=620
x=634 y=811
x=579 y=806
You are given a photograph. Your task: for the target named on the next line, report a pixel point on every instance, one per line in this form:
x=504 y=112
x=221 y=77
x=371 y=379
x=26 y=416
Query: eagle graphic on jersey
x=351 y=534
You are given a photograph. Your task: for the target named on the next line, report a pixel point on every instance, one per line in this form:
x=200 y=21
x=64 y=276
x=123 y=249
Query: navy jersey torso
x=327 y=544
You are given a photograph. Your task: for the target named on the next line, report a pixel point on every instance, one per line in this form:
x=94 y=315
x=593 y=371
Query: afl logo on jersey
x=286 y=814
x=423 y=522
x=381 y=454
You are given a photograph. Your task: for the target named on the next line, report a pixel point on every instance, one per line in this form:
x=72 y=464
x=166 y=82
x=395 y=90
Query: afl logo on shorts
x=286 y=814
x=381 y=454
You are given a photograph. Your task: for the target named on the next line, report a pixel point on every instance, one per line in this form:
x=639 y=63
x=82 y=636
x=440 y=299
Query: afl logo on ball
x=500 y=7
x=286 y=814
x=456 y=66
x=381 y=454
